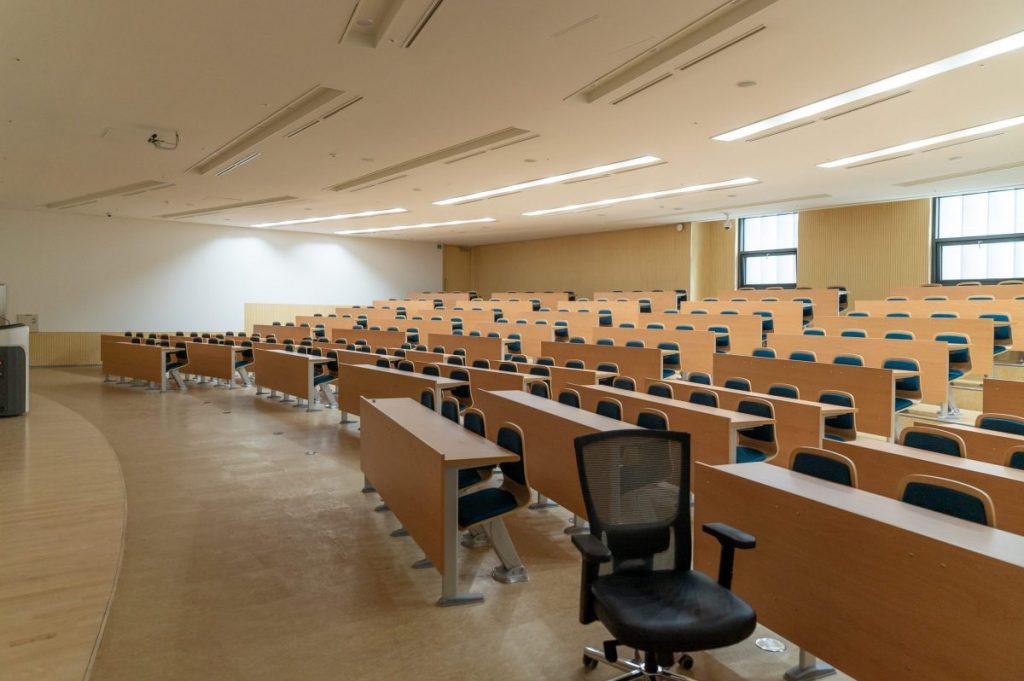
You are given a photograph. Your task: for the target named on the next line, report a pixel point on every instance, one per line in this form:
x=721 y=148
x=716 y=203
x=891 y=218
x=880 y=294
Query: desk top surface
x=563 y=411
x=996 y=544
x=826 y=409
x=458 y=446
x=442 y=382
x=736 y=419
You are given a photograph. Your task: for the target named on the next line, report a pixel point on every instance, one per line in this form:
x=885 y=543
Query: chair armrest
x=730 y=539
x=728 y=535
x=591 y=548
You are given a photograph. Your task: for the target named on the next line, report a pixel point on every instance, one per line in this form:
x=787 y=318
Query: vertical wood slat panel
x=64 y=348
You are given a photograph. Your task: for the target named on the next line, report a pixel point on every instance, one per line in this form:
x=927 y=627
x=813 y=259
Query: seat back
x=569 y=397
x=450 y=408
x=736 y=383
x=508 y=366
x=431 y=370
x=959 y=358
x=510 y=437
x=540 y=389
x=636 y=489
x=660 y=389
x=933 y=440
x=1003 y=423
x=405 y=365
x=652 y=419
x=481 y=364
x=1016 y=457
x=909 y=387
x=824 y=464
x=803 y=356
x=707 y=398
x=784 y=390
x=948 y=496
x=849 y=360
x=624 y=383
x=575 y=364
x=767 y=353
x=700 y=377
x=760 y=437
x=842 y=426
x=854 y=333
x=609 y=407
x=546 y=361
x=809 y=331
x=427 y=399
x=473 y=419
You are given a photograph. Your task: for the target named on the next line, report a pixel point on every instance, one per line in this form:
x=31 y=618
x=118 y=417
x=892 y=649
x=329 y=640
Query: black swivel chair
x=636 y=488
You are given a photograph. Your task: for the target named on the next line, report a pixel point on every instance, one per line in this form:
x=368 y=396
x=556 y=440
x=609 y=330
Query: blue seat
x=540 y=370
x=721 y=341
x=577 y=339
x=546 y=361
x=540 y=389
x=684 y=327
x=660 y=390
x=960 y=358
x=898 y=314
x=569 y=397
x=853 y=333
x=899 y=335
x=509 y=367
x=948 y=497
x=704 y=397
x=699 y=377
x=1003 y=423
x=1016 y=459
x=814 y=332
x=843 y=427
x=652 y=419
x=849 y=360
x=758 y=443
x=767 y=353
x=609 y=408
x=635 y=344
x=803 y=356
x=431 y=370
x=607 y=366
x=427 y=398
x=575 y=364
x=824 y=465
x=656 y=326
x=627 y=325
x=450 y=409
x=737 y=384
x=933 y=440
x=908 y=390
x=1002 y=336
x=859 y=314
x=624 y=383
x=784 y=390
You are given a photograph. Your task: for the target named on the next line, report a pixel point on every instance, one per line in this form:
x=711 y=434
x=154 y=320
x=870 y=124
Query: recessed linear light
x=993 y=49
x=422 y=225
x=554 y=179
x=340 y=216
x=930 y=141
x=650 y=195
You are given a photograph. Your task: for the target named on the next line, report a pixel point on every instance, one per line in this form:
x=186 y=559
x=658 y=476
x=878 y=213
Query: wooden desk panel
x=215 y=361
x=509 y=308
x=1003 y=397
x=637 y=363
x=466 y=315
x=982 y=445
x=980 y=332
x=660 y=300
x=1006 y=292
x=489 y=379
x=628 y=311
x=356 y=381
x=872 y=389
x=933 y=356
x=787 y=316
x=476 y=347
x=409 y=304
x=449 y=298
x=356 y=310
x=288 y=372
x=876 y=587
x=375 y=339
x=696 y=348
x=824 y=300
x=713 y=432
x=798 y=423
x=882 y=465
x=531 y=335
x=550 y=429
x=548 y=299
x=967 y=309
x=282 y=332
x=133 y=360
x=744 y=330
x=562 y=377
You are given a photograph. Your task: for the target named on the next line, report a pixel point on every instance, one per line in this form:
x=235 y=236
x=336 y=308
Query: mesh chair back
x=636 y=488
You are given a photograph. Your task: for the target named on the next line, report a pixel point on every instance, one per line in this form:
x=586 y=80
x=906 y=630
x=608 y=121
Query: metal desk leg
x=808 y=668
x=450 y=576
x=367 y=486
x=734 y=442
x=542 y=502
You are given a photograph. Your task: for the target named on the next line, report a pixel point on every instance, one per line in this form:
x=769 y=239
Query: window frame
x=937 y=243
x=742 y=255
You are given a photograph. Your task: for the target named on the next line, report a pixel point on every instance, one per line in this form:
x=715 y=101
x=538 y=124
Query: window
x=768 y=250
x=979 y=237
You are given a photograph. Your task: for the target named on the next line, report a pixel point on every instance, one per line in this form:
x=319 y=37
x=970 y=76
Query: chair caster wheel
x=686 y=662
x=589 y=663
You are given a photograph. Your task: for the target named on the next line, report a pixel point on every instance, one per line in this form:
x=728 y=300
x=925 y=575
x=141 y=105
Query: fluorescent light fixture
x=554 y=179
x=340 y=216
x=422 y=225
x=237 y=164
x=930 y=141
x=650 y=195
x=993 y=49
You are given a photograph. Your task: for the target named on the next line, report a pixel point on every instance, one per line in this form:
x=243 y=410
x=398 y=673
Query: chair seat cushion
x=998 y=349
x=749 y=455
x=175 y=365
x=477 y=507
x=242 y=362
x=955 y=374
x=671 y=611
x=834 y=438
x=667 y=373
x=903 y=403
x=468 y=477
x=322 y=378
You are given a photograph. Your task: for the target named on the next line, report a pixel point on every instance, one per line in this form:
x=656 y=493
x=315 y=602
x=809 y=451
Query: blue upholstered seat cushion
x=903 y=403
x=955 y=374
x=322 y=378
x=488 y=503
x=834 y=438
x=468 y=477
x=749 y=455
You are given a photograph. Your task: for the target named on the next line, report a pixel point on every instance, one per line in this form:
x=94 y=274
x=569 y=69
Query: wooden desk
x=713 y=432
x=509 y=308
x=476 y=347
x=548 y=299
x=578 y=321
x=967 y=309
x=744 y=329
x=1003 y=397
x=290 y=373
x=637 y=363
x=1005 y=292
x=982 y=445
x=281 y=332
x=798 y=423
x=375 y=339
x=660 y=300
x=882 y=465
x=356 y=381
x=621 y=311
x=413 y=457
x=873 y=389
x=136 y=361
x=881 y=589
x=421 y=303
x=787 y=316
x=530 y=335
x=550 y=429
x=825 y=301
x=696 y=348
x=215 y=361
x=563 y=377
x=979 y=331
x=490 y=379
x=932 y=356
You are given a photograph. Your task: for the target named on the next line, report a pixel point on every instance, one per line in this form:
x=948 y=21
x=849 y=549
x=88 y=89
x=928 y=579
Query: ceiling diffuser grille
x=125 y=190
x=226 y=207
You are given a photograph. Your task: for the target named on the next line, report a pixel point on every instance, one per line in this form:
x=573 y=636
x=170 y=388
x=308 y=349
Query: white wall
x=83 y=273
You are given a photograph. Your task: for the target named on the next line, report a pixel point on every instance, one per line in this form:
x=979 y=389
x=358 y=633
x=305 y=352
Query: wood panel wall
x=713 y=267
x=458 y=268
x=869 y=248
x=646 y=258
x=64 y=348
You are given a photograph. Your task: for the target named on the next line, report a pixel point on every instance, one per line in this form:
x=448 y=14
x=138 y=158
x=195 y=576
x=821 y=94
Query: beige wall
x=869 y=248
x=646 y=258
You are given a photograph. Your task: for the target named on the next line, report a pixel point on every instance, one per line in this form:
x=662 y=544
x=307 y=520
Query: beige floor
x=251 y=554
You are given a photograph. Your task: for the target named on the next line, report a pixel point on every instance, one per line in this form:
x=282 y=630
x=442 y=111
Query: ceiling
x=85 y=84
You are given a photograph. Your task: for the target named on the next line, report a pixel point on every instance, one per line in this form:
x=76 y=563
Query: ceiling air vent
x=288 y=115
x=226 y=207
x=126 y=190
x=378 y=23
x=956 y=176
x=486 y=142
